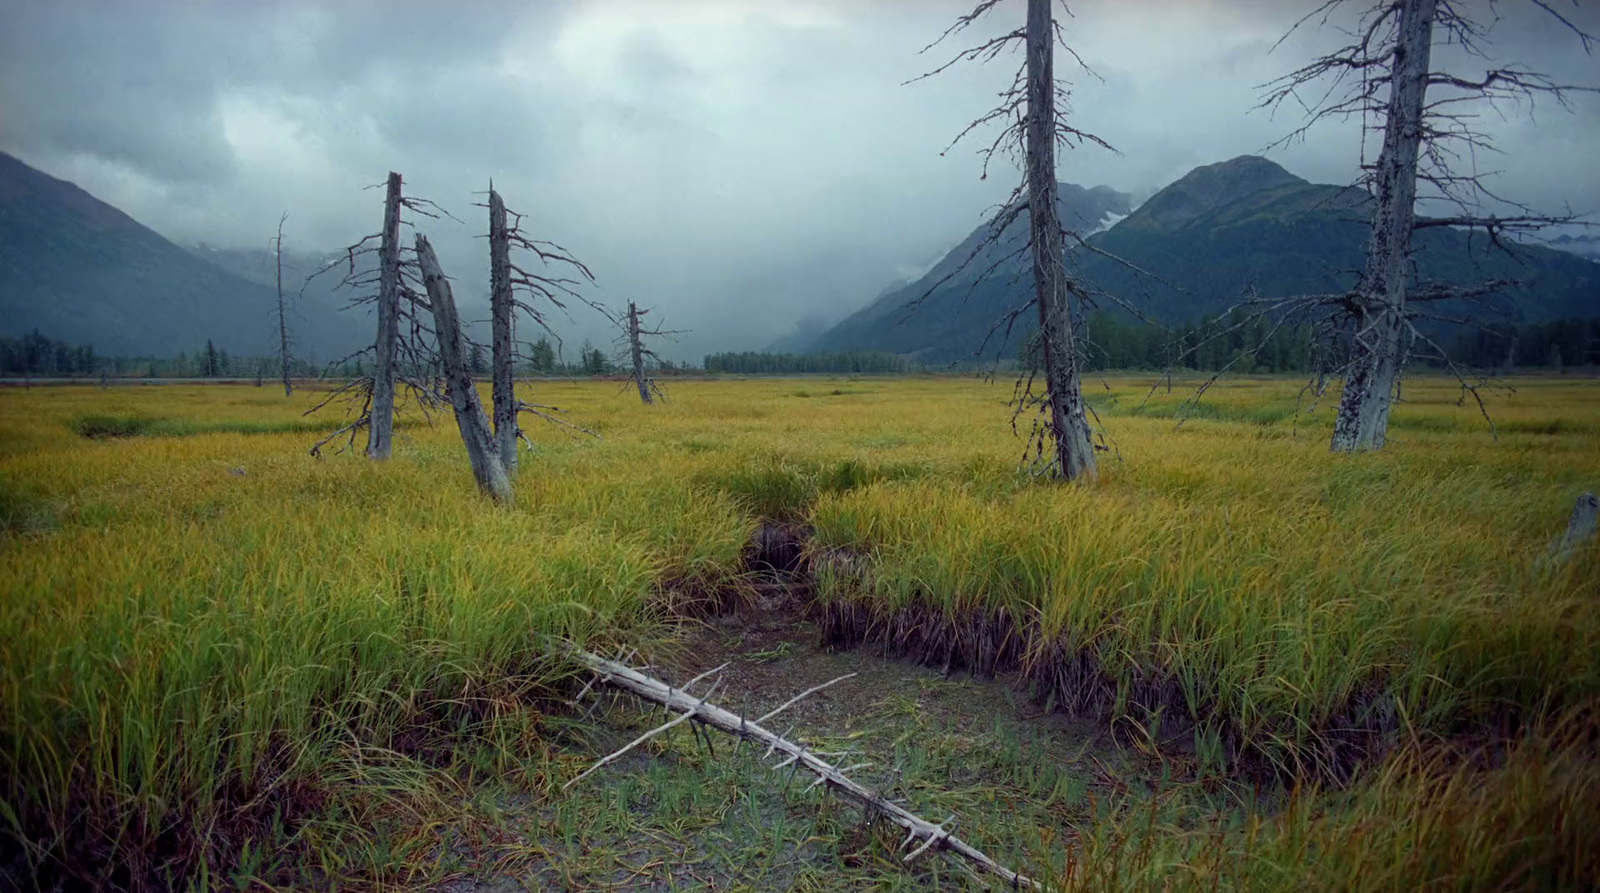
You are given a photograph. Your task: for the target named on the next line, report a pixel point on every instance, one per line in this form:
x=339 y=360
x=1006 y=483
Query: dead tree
x=1060 y=442
x=633 y=335
x=380 y=432
x=403 y=349
x=283 y=315
x=1385 y=75
x=503 y=332
x=482 y=452
x=513 y=289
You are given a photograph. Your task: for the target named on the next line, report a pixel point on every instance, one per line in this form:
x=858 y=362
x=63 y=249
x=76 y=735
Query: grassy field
x=225 y=661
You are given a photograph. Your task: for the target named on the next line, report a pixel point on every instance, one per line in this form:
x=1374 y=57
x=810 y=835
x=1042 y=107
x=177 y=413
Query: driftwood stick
x=690 y=684
x=614 y=755
x=681 y=718
x=801 y=696
x=656 y=691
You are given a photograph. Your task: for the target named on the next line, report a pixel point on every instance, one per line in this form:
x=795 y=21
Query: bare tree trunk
x=1068 y=424
x=470 y=419
x=380 y=431
x=637 y=349
x=283 y=318
x=502 y=308
x=1377 y=348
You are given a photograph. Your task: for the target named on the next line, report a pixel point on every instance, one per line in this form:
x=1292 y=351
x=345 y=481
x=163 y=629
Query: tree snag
x=403 y=352
x=1069 y=428
x=380 y=429
x=1060 y=442
x=637 y=351
x=501 y=310
x=470 y=419
x=1376 y=347
x=506 y=279
x=633 y=334
x=1386 y=74
x=283 y=316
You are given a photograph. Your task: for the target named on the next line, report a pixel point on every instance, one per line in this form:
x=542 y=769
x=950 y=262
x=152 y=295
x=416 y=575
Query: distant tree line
x=37 y=354
x=1237 y=343
x=847 y=361
x=1550 y=345
x=1115 y=342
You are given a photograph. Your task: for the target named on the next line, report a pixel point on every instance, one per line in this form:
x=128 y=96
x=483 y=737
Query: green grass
x=100 y=427
x=202 y=671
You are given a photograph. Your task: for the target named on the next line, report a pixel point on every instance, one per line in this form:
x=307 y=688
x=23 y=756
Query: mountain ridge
x=1208 y=239
x=81 y=270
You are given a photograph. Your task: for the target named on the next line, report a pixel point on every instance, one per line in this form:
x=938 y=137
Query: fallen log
x=933 y=836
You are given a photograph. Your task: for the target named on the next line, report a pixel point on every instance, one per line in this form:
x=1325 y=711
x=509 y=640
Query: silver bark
x=482 y=453
x=1052 y=288
x=1376 y=347
x=283 y=317
x=502 y=307
x=380 y=431
x=636 y=348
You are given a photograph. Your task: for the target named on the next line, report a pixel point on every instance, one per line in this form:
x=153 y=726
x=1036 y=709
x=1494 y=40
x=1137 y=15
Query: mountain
x=800 y=337
x=79 y=270
x=942 y=321
x=1583 y=246
x=317 y=306
x=1205 y=240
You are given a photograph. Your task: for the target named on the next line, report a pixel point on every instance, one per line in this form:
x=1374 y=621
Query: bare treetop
x=1354 y=81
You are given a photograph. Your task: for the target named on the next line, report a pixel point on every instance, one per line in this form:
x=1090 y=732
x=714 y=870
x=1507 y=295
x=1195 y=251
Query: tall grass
x=195 y=661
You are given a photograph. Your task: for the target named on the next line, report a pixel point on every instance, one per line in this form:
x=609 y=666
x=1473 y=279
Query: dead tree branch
x=701 y=710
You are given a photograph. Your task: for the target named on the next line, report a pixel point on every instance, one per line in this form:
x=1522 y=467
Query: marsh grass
x=206 y=673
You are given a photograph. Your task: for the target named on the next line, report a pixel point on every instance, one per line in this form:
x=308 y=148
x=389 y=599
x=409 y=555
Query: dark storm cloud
x=741 y=165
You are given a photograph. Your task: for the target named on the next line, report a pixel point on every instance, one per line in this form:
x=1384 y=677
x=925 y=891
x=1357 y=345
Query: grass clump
x=97 y=427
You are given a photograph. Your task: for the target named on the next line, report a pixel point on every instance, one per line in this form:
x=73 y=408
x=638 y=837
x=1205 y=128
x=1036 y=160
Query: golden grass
x=178 y=639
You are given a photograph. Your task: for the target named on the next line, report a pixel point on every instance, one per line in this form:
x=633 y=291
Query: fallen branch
x=934 y=836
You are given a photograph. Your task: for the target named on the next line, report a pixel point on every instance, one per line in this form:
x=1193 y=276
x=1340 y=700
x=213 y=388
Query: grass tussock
x=202 y=669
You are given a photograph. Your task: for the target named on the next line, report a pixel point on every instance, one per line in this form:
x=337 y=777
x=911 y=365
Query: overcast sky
x=739 y=165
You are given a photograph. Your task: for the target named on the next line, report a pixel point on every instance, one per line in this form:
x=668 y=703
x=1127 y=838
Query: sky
x=740 y=165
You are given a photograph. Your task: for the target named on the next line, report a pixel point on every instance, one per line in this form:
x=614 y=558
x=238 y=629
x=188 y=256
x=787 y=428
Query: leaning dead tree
x=638 y=354
x=385 y=274
x=482 y=452
x=922 y=836
x=284 y=342
x=513 y=289
x=1060 y=441
x=1425 y=121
